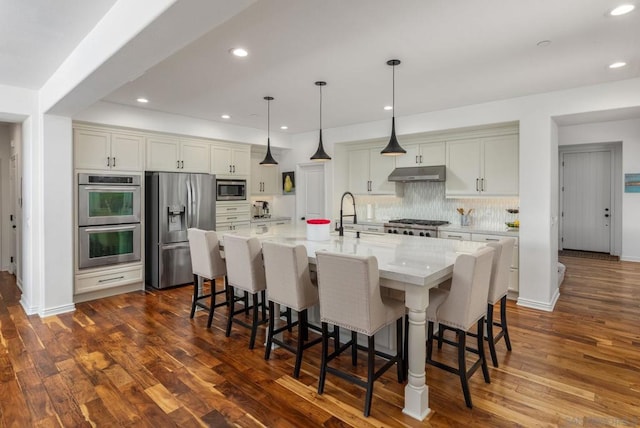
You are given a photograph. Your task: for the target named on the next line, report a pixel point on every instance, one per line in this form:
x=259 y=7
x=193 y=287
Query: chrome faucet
x=355 y=218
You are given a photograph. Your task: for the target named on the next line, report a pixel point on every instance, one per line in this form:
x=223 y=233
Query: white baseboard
x=544 y=306
x=29 y=310
x=57 y=310
x=630 y=259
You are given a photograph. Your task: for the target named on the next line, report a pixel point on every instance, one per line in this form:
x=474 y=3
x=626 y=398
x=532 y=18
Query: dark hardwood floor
x=138 y=360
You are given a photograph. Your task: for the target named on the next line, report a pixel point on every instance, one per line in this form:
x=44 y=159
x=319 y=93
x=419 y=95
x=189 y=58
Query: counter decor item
x=318 y=229
x=464 y=217
x=288 y=183
x=515 y=224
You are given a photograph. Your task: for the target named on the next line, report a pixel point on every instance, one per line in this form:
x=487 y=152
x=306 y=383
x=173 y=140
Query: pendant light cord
x=393 y=94
x=268 y=119
x=320 y=107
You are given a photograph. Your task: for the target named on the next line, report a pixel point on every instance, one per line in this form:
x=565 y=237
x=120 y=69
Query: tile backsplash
x=426 y=200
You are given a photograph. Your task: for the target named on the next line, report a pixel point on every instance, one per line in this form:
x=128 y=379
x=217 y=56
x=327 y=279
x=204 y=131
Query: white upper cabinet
x=369 y=172
x=485 y=166
x=173 y=154
x=264 y=179
x=426 y=154
x=227 y=159
x=105 y=150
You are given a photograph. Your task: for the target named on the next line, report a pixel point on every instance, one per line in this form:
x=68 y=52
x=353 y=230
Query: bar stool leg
x=195 y=296
x=254 y=324
x=232 y=309
x=267 y=351
x=302 y=325
x=503 y=321
x=462 y=367
x=480 y=337
x=212 y=305
x=490 y=337
x=354 y=348
x=371 y=354
x=325 y=357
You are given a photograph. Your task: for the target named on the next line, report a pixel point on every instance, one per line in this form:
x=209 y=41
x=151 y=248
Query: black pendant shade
x=268 y=159
x=320 y=155
x=393 y=147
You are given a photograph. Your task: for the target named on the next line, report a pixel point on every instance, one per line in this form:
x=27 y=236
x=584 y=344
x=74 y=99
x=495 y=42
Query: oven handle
x=109 y=229
x=111 y=188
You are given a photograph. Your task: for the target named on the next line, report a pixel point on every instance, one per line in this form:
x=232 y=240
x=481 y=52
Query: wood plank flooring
x=138 y=360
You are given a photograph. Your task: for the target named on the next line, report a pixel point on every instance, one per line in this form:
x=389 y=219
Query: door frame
x=615 y=148
x=301 y=188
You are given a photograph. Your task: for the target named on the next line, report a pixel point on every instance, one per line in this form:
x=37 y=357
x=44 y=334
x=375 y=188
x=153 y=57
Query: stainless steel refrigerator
x=175 y=202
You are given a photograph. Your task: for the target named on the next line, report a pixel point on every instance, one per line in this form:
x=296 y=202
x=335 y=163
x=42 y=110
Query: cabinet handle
x=111 y=279
x=482 y=184
x=231 y=218
x=477 y=181
x=182 y=164
x=108 y=161
x=234 y=169
x=229 y=169
x=454 y=236
x=232 y=209
x=420 y=158
x=372 y=229
x=491 y=239
x=114 y=161
x=177 y=164
x=417 y=159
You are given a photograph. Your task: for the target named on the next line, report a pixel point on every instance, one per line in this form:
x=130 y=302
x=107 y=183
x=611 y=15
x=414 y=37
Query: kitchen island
x=410 y=264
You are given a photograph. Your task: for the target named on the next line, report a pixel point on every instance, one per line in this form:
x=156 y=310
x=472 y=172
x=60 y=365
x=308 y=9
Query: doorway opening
x=311 y=200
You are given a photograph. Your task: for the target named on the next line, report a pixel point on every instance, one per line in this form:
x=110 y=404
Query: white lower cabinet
x=232 y=216
x=108 y=278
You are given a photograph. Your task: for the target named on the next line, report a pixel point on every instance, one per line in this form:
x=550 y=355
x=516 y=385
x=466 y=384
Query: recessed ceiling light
x=142 y=100
x=543 y=43
x=241 y=52
x=622 y=9
x=226 y=116
x=617 y=64
x=284 y=127
x=388 y=107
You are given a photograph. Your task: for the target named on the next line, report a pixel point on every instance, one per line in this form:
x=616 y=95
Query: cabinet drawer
x=233 y=218
x=461 y=236
x=225 y=227
x=481 y=237
x=113 y=278
x=513 y=280
x=232 y=209
x=372 y=229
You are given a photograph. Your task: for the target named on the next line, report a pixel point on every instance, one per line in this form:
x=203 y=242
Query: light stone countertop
x=422 y=262
x=269 y=219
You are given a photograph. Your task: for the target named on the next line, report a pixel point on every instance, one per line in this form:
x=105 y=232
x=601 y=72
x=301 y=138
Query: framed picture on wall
x=288 y=183
x=632 y=183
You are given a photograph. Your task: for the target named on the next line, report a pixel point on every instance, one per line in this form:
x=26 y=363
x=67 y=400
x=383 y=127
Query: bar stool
x=206 y=263
x=289 y=284
x=245 y=271
x=349 y=291
x=498 y=289
x=459 y=309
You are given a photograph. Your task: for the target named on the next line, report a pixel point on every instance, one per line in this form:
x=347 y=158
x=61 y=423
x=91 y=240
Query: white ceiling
x=454 y=53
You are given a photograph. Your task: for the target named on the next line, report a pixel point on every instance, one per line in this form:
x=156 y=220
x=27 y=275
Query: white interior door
x=586 y=193
x=311 y=192
x=13 y=220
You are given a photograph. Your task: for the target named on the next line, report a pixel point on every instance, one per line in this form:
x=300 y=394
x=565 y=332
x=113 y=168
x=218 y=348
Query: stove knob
x=389 y=231
x=395 y=231
x=404 y=232
x=427 y=234
x=410 y=232
x=421 y=233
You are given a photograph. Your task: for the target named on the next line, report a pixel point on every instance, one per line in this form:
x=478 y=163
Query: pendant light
x=268 y=159
x=393 y=148
x=320 y=155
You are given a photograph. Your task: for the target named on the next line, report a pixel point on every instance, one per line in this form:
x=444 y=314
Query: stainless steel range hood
x=419 y=173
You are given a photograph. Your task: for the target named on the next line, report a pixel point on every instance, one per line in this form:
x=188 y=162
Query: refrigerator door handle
x=189 y=204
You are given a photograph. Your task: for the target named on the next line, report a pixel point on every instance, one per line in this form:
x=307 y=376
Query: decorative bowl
x=512 y=224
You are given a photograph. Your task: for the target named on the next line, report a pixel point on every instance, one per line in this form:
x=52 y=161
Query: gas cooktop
x=419 y=222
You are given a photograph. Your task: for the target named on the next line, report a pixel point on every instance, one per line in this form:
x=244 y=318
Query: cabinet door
x=195 y=156
x=127 y=152
x=432 y=154
x=256 y=176
x=463 y=168
x=163 y=154
x=91 y=149
x=270 y=175
x=500 y=174
x=241 y=158
x=221 y=160
x=411 y=158
x=380 y=167
x=359 y=171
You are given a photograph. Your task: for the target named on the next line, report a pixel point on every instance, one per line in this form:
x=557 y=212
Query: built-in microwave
x=231 y=190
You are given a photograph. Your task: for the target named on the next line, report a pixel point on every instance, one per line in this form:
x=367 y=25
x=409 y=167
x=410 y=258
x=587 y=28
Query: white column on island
x=416 y=393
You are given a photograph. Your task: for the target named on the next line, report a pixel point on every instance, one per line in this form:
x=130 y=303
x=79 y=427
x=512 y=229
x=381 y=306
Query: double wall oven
x=109 y=209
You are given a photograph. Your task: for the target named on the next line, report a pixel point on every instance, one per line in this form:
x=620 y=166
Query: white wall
x=628 y=132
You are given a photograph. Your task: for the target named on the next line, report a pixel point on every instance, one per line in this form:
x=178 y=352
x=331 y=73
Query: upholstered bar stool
x=245 y=271
x=349 y=290
x=289 y=284
x=459 y=309
x=206 y=263
x=498 y=289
